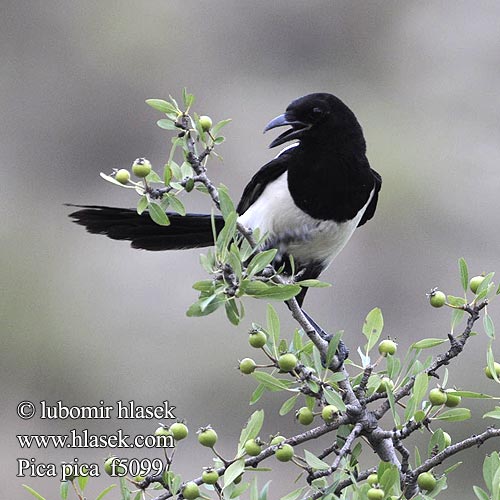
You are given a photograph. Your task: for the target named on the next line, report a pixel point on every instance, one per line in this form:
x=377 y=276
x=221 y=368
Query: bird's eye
x=317 y=113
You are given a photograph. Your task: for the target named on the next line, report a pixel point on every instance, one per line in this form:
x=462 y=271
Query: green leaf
x=488 y=325
x=454 y=415
x=124 y=489
x=219 y=125
x=251 y=429
x=166 y=124
x=257 y=394
x=240 y=489
x=474 y=395
x=427 y=343
x=490 y=466
x=480 y=493
x=226 y=234
x=176 y=205
x=260 y=261
x=389 y=477
x=187 y=98
x=273 y=327
x=105 y=491
x=313 y=284
x=464 y=273
x=142 y=204
x=233 y=471
x=332 y=398
x=372 y=327
x=490 y=362
x=82 y=481
x=482 y=289
x=157 y=214
x=167 y=174
x=271 y=383
x=314 y=462
x=332 y=347
x=64 y=489
x=493 y=414
x=204 y=307
x=33 y=492
x=450 y=469
x=232 y=312
x=293 y=494
x=161 y=105
x=261 y=290
x=288 y=405
x=226 y=203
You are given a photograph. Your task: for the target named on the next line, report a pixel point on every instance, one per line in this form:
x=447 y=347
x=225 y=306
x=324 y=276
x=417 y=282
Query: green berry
x=277 y=440
x=207 y=437
x=452 y=400
x=385 y=384
x=475 y=282
x=210 y=476
x=285 y=453
x=437 y=299
x=447 y=439
x=252 y=447
x=205 y=123
x=69 y=472
x=247 y=366
x=387 y=346
x=488 y=373
x=375 y=494
x=163 y=430
x=304 y=415
x=190 y=491
x=179 y=431
x=257 y=339
x=426 y=481
x=141 y=167
x=329 y=413
x=372 y=479
x=122 y=176
x=287 y=362
x=111 y=467
x=437 y=397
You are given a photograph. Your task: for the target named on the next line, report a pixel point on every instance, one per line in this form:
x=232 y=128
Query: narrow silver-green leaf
x=271 y=383
x=427 y=343
x=33 y=492
x=161 y=105
x=105 y=491
x=455 y=415
x=464 y=273
x=372 y=327
x=314 y=462
x=251 y=429
x=288 y=405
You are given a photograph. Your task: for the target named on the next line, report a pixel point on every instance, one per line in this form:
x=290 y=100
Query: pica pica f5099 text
x=308 y=200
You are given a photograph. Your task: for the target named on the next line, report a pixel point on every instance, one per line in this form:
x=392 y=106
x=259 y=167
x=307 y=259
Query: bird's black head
x=316 y=116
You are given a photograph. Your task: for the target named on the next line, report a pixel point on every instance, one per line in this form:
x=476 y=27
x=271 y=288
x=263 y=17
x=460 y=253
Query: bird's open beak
x=295 y=132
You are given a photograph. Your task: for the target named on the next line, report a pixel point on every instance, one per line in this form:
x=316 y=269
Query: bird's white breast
x=297 y=233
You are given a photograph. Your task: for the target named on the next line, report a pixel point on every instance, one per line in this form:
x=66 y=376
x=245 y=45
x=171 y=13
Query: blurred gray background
x=86 y=319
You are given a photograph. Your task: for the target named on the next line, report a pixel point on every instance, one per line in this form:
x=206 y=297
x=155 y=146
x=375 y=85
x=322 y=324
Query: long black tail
x=189 y=231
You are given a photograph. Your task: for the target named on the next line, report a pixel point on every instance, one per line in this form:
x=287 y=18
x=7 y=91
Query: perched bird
x=308 y=200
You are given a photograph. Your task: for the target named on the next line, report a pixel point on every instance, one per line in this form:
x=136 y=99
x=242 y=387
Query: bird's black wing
x=268 y=173
x=370 y=209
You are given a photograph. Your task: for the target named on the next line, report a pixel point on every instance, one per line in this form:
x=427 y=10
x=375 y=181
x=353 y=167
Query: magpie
x=307 y=201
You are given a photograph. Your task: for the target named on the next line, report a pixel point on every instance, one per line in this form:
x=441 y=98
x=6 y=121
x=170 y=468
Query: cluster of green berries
x=439 y=397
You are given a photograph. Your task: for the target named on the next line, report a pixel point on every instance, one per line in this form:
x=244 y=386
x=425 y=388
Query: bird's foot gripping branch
x=337 y=409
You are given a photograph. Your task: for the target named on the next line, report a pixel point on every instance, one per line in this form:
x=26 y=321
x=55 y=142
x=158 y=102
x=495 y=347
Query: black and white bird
x=308 y=200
